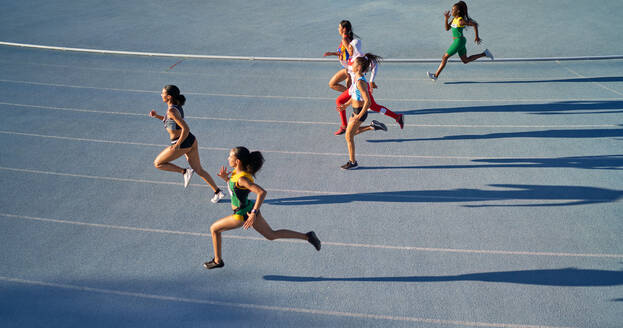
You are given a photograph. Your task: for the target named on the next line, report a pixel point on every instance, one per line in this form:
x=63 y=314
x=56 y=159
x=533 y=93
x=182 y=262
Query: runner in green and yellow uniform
x=247 y=212
x=459 y=22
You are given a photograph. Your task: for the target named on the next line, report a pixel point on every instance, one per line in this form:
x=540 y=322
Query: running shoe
x=218 y=195
x=340 y=131
x=431 y=76
x=213 y=265
x=313 y=239
x=349 y=166
x=378 y=125
x=187 y=175
x=401 y=121
x=488 y=54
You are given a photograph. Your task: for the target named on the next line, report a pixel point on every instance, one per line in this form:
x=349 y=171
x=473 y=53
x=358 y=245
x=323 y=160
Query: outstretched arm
x=475 y=26
x=155 y=115
x=446 y=16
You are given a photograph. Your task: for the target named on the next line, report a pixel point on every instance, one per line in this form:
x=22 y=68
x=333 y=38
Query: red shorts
x=344 y=97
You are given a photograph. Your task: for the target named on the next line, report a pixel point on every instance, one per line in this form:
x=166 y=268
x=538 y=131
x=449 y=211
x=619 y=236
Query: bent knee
x=270 y=236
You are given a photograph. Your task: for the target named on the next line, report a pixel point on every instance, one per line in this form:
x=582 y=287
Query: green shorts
x=242 y=213
x=458 y=45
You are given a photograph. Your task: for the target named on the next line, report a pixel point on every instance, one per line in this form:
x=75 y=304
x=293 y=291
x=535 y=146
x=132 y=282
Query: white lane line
x=488 y=100
x=94 y=177
x=313 y=192
x=211 y=118
x=595 y=82
x=264 y=307
x=433 y=198
x=481 y=79
x=289 y=59
x=262 y=150
x=326 y=243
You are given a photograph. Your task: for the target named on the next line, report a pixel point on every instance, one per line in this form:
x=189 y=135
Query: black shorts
x=357 y=110
x=187 y=143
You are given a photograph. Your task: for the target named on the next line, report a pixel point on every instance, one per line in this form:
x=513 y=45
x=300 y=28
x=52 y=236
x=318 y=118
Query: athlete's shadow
x=567 y=277
x=552 y=108
x=561 y=134
x=528 y=195
x=572 y=80
x=606 y=162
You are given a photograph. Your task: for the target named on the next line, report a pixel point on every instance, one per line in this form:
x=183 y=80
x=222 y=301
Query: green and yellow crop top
x=457 y=28
x=239 y=195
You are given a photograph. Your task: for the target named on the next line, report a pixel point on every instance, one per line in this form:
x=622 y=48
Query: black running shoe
x=313 y=239
x=213 y=265
x=401 y=121
x=378 y=125
x=349 y=166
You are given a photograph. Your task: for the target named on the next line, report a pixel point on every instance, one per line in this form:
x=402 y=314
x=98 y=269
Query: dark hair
x=462 y=9
x=251 y=161
x=174 y=92
x=345 y=24
x=367 y=60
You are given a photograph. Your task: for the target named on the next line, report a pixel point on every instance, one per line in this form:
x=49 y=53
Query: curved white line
x=327 y=243
x=263 y=307
x=489 y=100
x=211 y=118
x=289 y=59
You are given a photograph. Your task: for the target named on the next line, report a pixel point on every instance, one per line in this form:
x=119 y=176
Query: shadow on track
x=606 y=162
x=572 y=80
x=554 y=195
x=567 y=277
x=560 y=134
x=552 y=108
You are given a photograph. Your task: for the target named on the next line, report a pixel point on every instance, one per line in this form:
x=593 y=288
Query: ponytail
x=462 y=6
x=251 y=161
x=174 y=92
x=368 y=60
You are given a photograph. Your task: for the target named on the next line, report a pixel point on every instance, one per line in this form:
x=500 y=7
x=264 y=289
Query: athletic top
x=239 y=195
x=356 y=43
x=343 y=55
x=354 y=92
x=457 y=29
x=169 y=123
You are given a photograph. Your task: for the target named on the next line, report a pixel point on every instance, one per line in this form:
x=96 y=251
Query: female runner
x=350 y=48
x=247 y=212
x=460 y=21
x=182 y=141
x=360 y=100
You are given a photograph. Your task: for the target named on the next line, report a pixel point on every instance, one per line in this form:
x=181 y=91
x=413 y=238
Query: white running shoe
x=217 y=197
x=431 y=76
x=488 y=54
x=189 y=174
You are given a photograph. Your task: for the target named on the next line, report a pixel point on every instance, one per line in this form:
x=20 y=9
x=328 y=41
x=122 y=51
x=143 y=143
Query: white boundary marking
x=285 y=59
x=328 y=243
x=532 y=100
x=211 y=118
x=265 y=307
x=103 y=178
x=482 y=79
x=262 y=150
x=597 y=83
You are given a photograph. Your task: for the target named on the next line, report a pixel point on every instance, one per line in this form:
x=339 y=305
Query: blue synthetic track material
x=498 y=205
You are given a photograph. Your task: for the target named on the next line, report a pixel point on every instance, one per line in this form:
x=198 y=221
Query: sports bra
x=169 y=123
x=354 y=92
